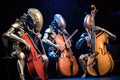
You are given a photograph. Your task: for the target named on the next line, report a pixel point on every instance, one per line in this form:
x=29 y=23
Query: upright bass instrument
x=67 y=63
x=34 y=61
x=100 y=61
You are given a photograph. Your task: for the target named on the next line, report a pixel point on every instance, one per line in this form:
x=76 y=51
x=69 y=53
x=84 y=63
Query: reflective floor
x=90 y=78
x=8 y=69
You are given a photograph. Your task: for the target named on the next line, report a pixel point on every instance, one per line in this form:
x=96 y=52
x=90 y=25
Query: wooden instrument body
x=34 y=61
x=67 y=63
x=100 y=62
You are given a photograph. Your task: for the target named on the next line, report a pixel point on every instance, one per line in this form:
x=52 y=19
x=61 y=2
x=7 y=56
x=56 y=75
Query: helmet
x=37 y=18
x=87 y=21
x=60 y=21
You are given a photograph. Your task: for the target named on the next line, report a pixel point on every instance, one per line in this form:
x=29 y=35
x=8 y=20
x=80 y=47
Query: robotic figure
x=57 y=26
x=30 y=23
x=86 y=37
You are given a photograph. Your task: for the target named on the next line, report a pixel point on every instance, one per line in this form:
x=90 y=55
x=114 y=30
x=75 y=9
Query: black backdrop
x=74 y=11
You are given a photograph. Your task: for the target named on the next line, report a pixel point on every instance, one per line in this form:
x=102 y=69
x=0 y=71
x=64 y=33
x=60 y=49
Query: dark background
x=74 y=11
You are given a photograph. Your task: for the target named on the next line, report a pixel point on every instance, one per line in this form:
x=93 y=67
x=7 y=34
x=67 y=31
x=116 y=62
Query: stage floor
x=90 y=78
x=7 y=69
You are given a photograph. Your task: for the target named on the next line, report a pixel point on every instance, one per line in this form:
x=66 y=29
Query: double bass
x=67 y=63
x=35 y=64
x=100 y=61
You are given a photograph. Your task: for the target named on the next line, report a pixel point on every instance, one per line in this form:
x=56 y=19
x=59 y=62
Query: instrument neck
x=93 y=32
x=39 y=42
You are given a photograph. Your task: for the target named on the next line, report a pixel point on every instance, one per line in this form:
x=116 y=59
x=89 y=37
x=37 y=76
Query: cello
x=67 y=63
x=35 y=64
x=100 y=61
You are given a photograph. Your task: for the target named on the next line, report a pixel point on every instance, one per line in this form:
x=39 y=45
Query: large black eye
x=54 y=23
x=30 y=27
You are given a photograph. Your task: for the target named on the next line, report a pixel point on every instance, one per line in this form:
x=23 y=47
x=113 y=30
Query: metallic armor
x=30 y=23
x=36 y=17
x=58 y=25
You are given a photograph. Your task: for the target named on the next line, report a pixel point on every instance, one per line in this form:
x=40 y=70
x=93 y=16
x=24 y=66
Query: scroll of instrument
x=100 y=61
